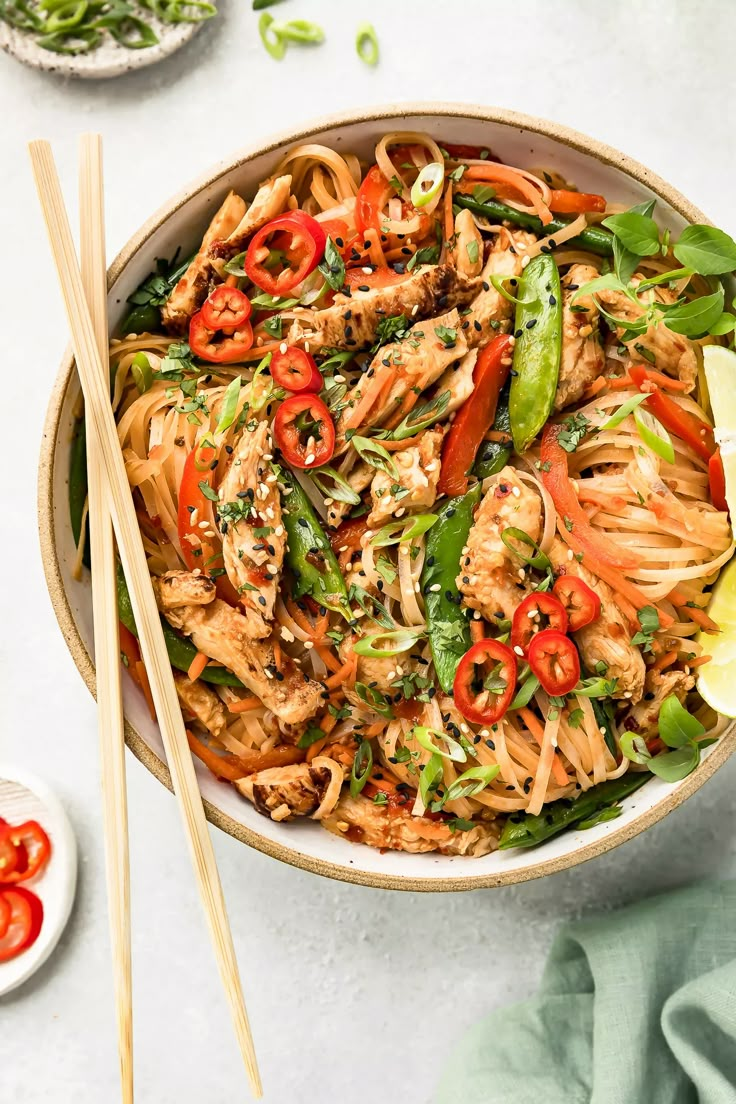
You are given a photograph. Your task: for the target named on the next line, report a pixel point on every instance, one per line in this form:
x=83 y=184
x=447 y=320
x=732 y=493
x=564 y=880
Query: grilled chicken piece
x=395 y=829
x=352 y=322
x=466 y=251
x=250 y=500
x=491 y=578
x=221 y=633
x=489 y=308
x=359 y=479
x=607 y=640
x=582 y=353
x=201 y=703
x=269 y=201
x=183 y=588
x=193 y=288
x=673 y=354
x=374 y=672
x=658 y=685
x=283 y=793
x=458 y=380
x=417 y=360
x=419 y=472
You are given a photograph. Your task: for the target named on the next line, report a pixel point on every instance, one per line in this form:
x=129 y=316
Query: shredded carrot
x=369 y=396
x=374 y=729
x=315 y=748
x=477 y=631
x=142 y=673
x=197 y=666
x=595 y=387
x=621 y=383
x=504 y=174
x=408 y=442
x=277 y=655
x=222 y=766
x=327 y=723
x=449 y=220
x=699 y=661
x=343 y=674
x=695 y=613
x=330 y=661
x=233 y=767
x=245 y=705
x=231 y=281
x=665 y=660
x=498 y=435
x=537 y=730
x=316 y=632
x=615 y=503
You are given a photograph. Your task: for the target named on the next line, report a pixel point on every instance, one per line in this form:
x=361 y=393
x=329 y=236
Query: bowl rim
x=564 y=135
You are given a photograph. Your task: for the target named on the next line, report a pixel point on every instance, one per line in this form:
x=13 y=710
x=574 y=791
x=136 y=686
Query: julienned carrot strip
x=594 y=388
x=330 y=661
x=374 y=729
x=616 y=503
x=316 y=632
x=315 y=748
x=233 y=767
x=197 y=666
x=493 y=172
x=535 y=727
x=406 y=406
x=277 y=655
x=342 y=674
x=245 y=705
x=699 y=661
x=665 y=660
x=477 y=631
x=327 y=723
x=695 y=613
x=449 y=220
x=222 y=766
x=621 y=383
x=145 y=686
x=408 y=442
x=612 y=576
x=368 y=397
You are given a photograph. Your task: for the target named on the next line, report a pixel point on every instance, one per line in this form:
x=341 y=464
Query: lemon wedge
x=717 y=679
x=720 y=375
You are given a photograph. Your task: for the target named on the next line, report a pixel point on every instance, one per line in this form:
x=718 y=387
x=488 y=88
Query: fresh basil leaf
x=726 y=324
x=525 y=692
x=601 y=283
x=634 y=748
x=674 y=765
x=677 y=727
x=646 y=209
x=706 y=249
x=637 y=233
x=695 y=318
x=333 y=266
x=310 y=736
x=624 y=261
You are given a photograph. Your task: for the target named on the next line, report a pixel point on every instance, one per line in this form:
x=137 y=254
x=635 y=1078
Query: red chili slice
x=5 y=914
x=225 y=308
x=717 y=481
x=9 y=854
x=554 y=659
x=24 y=923
x=485 y=682
x=37 y=845
x=226 y=350
x=284 y=251
x=304 y=431
x=535 y=614
x=296 y=371
x=581 y=603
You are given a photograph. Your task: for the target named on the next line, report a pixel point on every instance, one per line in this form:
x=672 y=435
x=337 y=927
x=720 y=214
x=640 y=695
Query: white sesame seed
x=519 y=651
x=203 y=525
x=278 y=531
x=602 y=730
x=368 y=270
x=477 y=615
x=310 y=459
x=435 y=587
x=343 y=548
x=464 y=728
x=417 y=588
x=400 y=512
x=272 y=569
x=414 y=309
x=308 y=644
x=286 y=634
x=306 y=346
x=283 y=347
x=516 y=492
x=339 y=379
x=570 y=553
x=197 y=571
x=525 y=261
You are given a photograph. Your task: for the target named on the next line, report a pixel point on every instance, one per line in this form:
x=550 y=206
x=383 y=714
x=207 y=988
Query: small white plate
x=110 y=59
x=23 y=797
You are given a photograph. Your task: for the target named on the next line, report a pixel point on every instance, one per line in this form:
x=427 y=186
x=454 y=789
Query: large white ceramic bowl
x=520 y=140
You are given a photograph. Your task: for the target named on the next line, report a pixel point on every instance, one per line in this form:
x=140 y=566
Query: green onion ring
x=423 y=736
x=366 y=44
x=654 y=435
x=361 y=769
x=432 y=175
x=271 y=37
x=396 y=532
x=539 y=560
x=404 y=638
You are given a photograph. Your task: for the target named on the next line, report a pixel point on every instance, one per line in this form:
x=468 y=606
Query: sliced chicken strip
x=352 y=322
x=201 y=703
x=673 y=354
x=270 y=200
x=283 y=793
x=416 y=487
x=359 y=479
x=466 y=251
x=658 y=685
x=193 y=288
x=253 y=537
x=582 y=353
x=458 y=381
x=492 y=579
x=220 y=632
x=608 y=639
x=396 y=829
x=183 y=588
x=490 y=311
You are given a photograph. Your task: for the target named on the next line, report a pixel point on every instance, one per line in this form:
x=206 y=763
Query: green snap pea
x=180 y=651
x=536 y=364
x=595 y=239
x=309 y=554
x=449 y=634
x=78 y=479
x=522 y=830
x=494 y=455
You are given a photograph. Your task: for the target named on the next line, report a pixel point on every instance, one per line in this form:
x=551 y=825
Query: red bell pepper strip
x=581 y=603
x=717 y=480
x=564 y=202
x=689 y=428
x=577 y=530
x=226 y=308
x=486 y=660
x=36 y=845
x=475 y=416
x=195 y=507
x=358 y=280
x=296 y=240
x=554 y=659
x=372 y=197
x=24 y=924
x=296 y=371
x=227 y=350
x=319 y=430
x=534 y=614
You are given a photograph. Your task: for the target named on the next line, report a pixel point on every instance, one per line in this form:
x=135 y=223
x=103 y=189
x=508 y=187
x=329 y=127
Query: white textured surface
x=352 y=992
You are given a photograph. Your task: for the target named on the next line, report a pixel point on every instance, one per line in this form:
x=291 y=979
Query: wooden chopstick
x=105 y=616
x=100 y=418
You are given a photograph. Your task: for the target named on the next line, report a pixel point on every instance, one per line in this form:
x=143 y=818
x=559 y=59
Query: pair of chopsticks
x=111 y=508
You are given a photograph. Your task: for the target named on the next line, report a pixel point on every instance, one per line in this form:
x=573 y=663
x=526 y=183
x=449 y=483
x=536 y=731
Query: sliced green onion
x=339 y=488
x=375 y=455
x=526 y=692
x=205 y=442
x=498 y=282
x=403 y=529
x=229 y=405
x=79 y=41
x=66 y=16
x=425 y=415
x=300 y=30
x=654 y=435
x=259 y=5
x=477 y=778
x=362 y=767
x=234 y=267
x=402 y=640
x=428 y=184
x=271 y=36
x=141 y=371
x=596 y=688
x=373 y=698
x=311 y=735
x=366 y=44
x=263 y=300
x=539 y=560
x=623 y=412
x=429 y=776
x=634 y=748
x=423 y=736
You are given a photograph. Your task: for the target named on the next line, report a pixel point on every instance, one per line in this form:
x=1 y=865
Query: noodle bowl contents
x=430 y=495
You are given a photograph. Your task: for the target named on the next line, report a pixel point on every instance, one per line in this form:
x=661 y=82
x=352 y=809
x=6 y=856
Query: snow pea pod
x=536 y=364
x=494 y=455
x=449 y=634
x=309 y=554
x=78 y=479
x=181 y=651
x=595 y=239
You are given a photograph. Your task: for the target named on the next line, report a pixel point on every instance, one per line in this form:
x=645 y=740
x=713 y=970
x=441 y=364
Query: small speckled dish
x=108 y=60
x=521 y=140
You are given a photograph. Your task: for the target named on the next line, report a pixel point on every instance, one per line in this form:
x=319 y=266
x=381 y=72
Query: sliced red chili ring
x=5 y=914
x=295 y=371
x=304 y=431
x=24 y=923
x=485 y=681
x=295 y=242
x=226 y=350
x=534 y=614
x=225 y=308
x=554 y=659
x=31 y=839
x=581 y=603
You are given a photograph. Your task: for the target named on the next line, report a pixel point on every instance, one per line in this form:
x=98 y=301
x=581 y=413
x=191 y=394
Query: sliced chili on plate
x=295 y=370
x=485 y=681
x=581 y=603
x=225 y=308
x=32 y=847
x=304 y=431
x=284 y=252
x=554 y=659
x=228 y=348
x=534 y=614
x=24 y=922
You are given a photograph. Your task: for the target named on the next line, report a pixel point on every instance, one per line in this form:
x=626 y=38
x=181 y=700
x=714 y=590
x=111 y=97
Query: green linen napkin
x=635 y=1007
